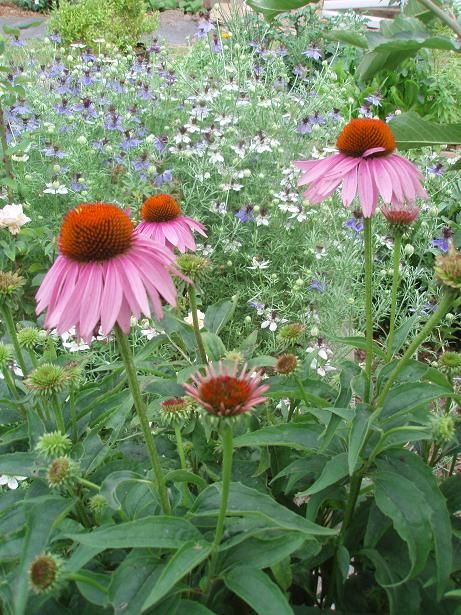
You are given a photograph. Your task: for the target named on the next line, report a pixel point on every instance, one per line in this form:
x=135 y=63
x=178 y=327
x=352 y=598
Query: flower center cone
x=363 y=134
x=160 y=208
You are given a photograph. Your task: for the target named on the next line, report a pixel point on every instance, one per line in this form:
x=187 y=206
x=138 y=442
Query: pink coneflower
x=225 y=393
x=366 y=164
x=400 y=214
x=105 y=273
x=162 y=221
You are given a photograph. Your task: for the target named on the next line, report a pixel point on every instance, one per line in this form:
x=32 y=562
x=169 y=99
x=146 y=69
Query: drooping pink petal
x=365 y=189
x=111 y=300
x=349 y=187
x=382 y=179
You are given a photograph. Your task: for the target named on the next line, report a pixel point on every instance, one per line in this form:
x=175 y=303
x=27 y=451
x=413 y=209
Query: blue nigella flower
x=318 y=285
x=442 y=244
x=355 y=224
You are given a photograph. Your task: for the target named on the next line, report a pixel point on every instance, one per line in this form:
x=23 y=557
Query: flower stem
x=354 y=491
x=198 y=335
x=226 y=480
x=444 y=306
x=58 y=414
x=127 y=357
x=395 y=286
x=182 y=459
x=11 y=330
x=5 y=154
x=368 y=239
x=87 y=483
x=443 y=16
x=73 y=415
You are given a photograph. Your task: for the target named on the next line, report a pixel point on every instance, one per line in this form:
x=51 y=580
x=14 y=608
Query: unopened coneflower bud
x=53 y=444
x=448 y=268
x=400 y=215
x=44 y=573
x=10 y=283
x=291 y=333
x=47 y=379
x=286 y=364
x=234 y=355
x=74 y=372
x=450 y=360
x=5 y=355
x=97 y=504
x=62 y=472
x=29 y=337
x=174 y=411
x=193 y=266
x=443 y=429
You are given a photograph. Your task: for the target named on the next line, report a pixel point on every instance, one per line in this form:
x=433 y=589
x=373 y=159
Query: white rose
x=12 y=217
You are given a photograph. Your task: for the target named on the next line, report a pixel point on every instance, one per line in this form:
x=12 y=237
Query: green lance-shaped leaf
x=412 y=131
x=334 y=470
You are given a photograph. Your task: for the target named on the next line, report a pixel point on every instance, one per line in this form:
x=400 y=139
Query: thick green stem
x=443 y=16
x=354 y=491
x=368 y=239
x=87 y=483
x=11 y=330
x=182 y=459
x=127 y=357
x=444 y=306
x=73 y=415
x=58 y=415
x=226 y=480
x=10 y=382
x=395 y=286
x=198 y=335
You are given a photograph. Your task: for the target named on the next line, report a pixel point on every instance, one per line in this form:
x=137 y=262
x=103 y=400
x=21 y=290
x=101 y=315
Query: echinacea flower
x=105 y=273
x=367 y=165
x=226 y=392
x=162 y=220
x=400 y=214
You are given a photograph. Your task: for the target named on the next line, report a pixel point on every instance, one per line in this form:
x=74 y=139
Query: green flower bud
x=47 y=379
x=448 y=268
x=97 y=504
x=45 y=573
x=5 y=355
x=450 y=360
x=443 y=429
x=62 y=473
x=193 y=266
x=53 y=444
x=10 y=283
x=29 y=337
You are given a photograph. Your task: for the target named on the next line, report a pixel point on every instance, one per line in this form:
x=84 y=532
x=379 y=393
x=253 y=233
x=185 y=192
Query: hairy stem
x=198 y=335
x=368 y=239
x=395 y=286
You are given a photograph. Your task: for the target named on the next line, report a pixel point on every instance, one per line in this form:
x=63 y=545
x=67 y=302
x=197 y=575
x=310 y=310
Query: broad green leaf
x=189 y=607
x=19 y=464
x=334 y=470
x=399 y=499
x=244 y=501
x=190 y=555
x=299 y=436
x=42 y=516
x=410 y=466
x=262 y=551
x=402 y=435
x=349 y=37
x=401 y=333
x=218 y=315
x=412 y=372
x=162 y=386
x=305 y=468
x=214 y=346
x=88 y=582
x=183 y=476
x=451 y=489
x=154 y=532
x=406 y=397
x=357 y=436
x=411 y=130
x=256 y=589
x=111 y=484
x=132 y=582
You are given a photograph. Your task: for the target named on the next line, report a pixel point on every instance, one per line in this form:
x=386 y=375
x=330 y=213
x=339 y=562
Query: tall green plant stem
x=11 y=330
x=5 y=155
x=226 y=480
x=444 y=306
x=182 y=459
x=127 y=357
x=395 y=286
x=368 y=239
x=443 y=16
x=58 y=414
x=198 y=335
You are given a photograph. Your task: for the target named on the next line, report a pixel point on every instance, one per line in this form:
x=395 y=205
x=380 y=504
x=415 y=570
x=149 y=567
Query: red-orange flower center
x=95 y=232
x=362 y=134
x=225 y=394
x=160 y=208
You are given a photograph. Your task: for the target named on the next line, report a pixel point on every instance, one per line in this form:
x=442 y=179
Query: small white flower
x=201 y=319
x=272 y=321
x=216 y=157
x=12 y=482
x=258 y=263
x=12 y=217
x=55 y=188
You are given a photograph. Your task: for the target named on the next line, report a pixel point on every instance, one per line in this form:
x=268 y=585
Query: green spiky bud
x=443 y=429
x=74 y=372
x=53 y=444
x=45 y=573
x=174 y=411
x=450 y=360
x=29 y=337
x=448 y=268
x=97 y=504
x=193 y=266
x=10 y=283
x=291 y=333
x=62 y=473
x=47 y=380
x=234 y=355
x=5 y=355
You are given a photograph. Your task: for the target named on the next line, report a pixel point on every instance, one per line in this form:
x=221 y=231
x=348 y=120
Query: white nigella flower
x=240 y=149
x=200 y=112
x=12 y=482
x=262 y=219
x=272 y=321
x=200 y=317
x=182 y=137
x=202 y=177
x=55 y=188
x=147 y=330
x=215 y=157
x=205 y=250
x=231 y=186
x=231 y=245
x=219 y=208
x=321 y=359
x=298 y=213
x=12 y=217
x=258 y=263
x=20 y=157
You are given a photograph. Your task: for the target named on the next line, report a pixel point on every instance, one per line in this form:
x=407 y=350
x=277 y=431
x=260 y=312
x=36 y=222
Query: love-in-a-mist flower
x=226 y=392
x=366 y=165
x=163 y=221
x=105 y=273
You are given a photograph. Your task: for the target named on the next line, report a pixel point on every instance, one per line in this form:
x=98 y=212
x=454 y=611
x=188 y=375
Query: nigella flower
x=78 y=184
x=88 y=56
x=113 y=121
x=87 y=108
x=155 y=47
x=55 y=37
x=336 y=115
x=425 y=309
x=130 y=141
x=15 y=42
x=204 y=26
x=442 y=244
x=318 y=285
x=144 y=93
x=299 y=71
x=20 y=108
x=272 y=321
x=105 y=273
x=313 y=52
x=436 y=170
x=163 y=221
x=53 y=151
x=163 y=178
x=259 y=307
x=365 y=165
x=63 y=107
x=87 y=78
x=226 y=392
x=374 y=99
x=141 y=163
x=355 y=224
x=215 y=44
x=160 y=143
x=244 y=214
x=12 y=482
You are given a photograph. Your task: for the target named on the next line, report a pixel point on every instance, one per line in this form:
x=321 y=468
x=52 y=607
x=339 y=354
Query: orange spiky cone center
x=362 y=134
x=226 y=391
x=95 y=232
x=160 y=208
